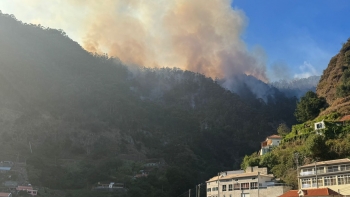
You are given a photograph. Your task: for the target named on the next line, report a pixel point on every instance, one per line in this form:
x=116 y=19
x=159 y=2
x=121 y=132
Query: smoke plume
x=197 y=35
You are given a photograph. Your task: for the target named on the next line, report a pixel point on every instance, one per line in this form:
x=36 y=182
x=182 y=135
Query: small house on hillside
x=271 y=141
x=153 y=163
x=345 y=120
x=109 y=187
x=2 y=194
x=29 y=189
x=5 y=166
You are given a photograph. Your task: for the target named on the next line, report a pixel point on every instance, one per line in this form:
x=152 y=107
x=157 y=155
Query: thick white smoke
x=201 y=36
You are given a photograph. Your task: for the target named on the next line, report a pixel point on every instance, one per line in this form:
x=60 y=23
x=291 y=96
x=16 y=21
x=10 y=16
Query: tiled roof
x=329 y=162
x=274 y=137
x=4 y=194
x=241 y=175
x=24 y=188
x=345 y=118
x=311 y=192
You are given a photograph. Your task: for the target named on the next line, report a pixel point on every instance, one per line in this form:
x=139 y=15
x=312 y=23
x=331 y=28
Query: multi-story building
x=333 y=174
x=254 y=182
x=269 y=143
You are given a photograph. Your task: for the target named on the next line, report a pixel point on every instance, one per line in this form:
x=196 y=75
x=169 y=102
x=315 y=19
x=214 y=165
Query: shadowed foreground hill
x=70 y=104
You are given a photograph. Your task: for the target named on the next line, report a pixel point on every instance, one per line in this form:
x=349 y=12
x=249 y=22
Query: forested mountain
x=59 y=103
x=297 y=87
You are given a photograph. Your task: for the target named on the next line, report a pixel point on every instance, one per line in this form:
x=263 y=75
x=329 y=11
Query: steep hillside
x=305 y=145
x=334 y=82
x=59 y=103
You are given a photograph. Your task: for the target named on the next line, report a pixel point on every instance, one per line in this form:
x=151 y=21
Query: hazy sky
x=272 y=39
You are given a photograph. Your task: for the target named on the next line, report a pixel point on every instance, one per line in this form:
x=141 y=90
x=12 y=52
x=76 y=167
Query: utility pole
x=316 y=174
x=196 y=191
x=218 y=184
x=258 y=185
x=296 y=156
x=30 y=146
x=199 y=190
x=189 y=193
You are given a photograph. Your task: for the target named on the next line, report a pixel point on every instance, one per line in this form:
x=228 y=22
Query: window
x=224 y=188
x=329 y=180
x=307 y=171
x=344 y=167
x=332 y=169
x=344 y=179
x=341 y=180
x=254 y=185
x=320 y=182
x=230 y=187
x=245 y=185
x=319 y=125
x=236 y=186
x=305 y=183
x=209 y=190
x=320 y=170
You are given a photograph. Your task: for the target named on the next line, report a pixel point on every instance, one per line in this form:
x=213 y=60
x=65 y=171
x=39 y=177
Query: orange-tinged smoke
x=197 y=35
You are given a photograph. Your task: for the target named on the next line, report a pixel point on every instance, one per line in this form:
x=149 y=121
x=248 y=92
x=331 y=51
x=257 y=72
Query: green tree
x=283 y=129
x=309 y=107
x=250 y=160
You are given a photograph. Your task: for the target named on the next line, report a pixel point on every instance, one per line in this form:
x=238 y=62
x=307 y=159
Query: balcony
x=305 y=185
x=308 y=173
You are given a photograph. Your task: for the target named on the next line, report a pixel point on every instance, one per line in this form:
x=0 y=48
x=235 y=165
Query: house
x=271 y=141
x=332 y=174
x=5 y=194
x=5 y=166
x=345 y=120
x=320 y=125
x=254 y=181
x=142 y=173
x=153 y=163
x=109 y=187
x=29 y=189
x=324 y=192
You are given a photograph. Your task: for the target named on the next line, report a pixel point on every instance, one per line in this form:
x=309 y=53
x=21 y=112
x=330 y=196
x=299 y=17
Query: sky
x=300 y=35
x=271 y=40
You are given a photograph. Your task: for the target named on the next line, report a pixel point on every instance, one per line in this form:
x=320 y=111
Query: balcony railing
x=305 y=185
x=314 y=173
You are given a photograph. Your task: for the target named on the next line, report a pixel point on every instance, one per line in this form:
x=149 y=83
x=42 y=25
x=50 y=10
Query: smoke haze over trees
x=71 y=104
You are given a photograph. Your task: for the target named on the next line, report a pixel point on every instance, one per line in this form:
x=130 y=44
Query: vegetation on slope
x=79 y=118
x=334 y=81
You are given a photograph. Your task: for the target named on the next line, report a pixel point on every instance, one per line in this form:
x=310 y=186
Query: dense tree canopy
x=309 y=107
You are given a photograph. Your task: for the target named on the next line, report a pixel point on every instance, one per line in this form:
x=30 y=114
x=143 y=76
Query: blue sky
x=301 y=35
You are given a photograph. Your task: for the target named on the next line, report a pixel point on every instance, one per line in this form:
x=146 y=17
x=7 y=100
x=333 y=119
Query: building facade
x=333 y=174
x=253 y=182
x=269 y=143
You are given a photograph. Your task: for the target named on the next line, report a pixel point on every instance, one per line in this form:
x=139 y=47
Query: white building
x=271 y=141
x=333 y=174
x=254 y=182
